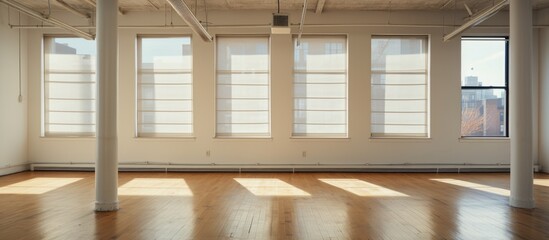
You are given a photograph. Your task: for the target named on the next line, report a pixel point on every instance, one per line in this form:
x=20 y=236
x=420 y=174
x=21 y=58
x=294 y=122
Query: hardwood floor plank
x=59 y=205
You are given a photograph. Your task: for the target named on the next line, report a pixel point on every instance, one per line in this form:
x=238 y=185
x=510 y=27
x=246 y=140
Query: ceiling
x=285 y=5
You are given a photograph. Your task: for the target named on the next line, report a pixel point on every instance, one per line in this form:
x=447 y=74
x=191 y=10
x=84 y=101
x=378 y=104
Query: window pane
x=399 y=85
x=483 y=62
x=242 y=87
x=69 y=87
x=483 y=112
x=320 y=86
x=484 y=87
x=165 y=87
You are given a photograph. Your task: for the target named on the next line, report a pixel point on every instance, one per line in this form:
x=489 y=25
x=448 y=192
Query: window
x=69 y=87
x=484 y=87
x=164 y=87
x=320 y=86
x=399 y=85
x=243 y=87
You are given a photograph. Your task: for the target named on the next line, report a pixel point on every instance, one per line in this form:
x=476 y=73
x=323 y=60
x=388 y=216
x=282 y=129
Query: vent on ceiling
x=280 y=24
x=280 y=20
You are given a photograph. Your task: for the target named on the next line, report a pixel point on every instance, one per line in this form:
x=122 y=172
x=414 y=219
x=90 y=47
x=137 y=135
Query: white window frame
x=45 y=118
x=345 y=98
x=427 y=90
x=138 y=100
x=266 y=135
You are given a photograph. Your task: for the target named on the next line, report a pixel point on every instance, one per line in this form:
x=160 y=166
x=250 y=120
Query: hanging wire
x=389 y=15
x=278 y=9
x=206 y=13
x=49 y=9
x=165 y=14
x=20 y=97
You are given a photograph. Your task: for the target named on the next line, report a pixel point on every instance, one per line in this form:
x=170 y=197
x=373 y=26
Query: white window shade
x=399 y=85
x=69 y=87
x=164 y=99
x=243 y=107
x=320 y=86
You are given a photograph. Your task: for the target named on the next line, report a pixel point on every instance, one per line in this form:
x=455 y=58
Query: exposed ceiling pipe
x=446 y=4
x=302 y=22
x=468 y=9
x=183 y=10
x=72 y=9
x=153 y=5
x=320 y=6
x=477 y=19
x=24 y=9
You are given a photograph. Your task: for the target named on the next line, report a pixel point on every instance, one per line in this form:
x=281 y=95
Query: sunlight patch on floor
x=37 y=185
x=475 y=186
x=362 y=188
x=270 y=187
x=155 y=187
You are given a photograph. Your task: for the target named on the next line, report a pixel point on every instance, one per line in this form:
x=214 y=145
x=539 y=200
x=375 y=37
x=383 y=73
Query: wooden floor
x=59 y=205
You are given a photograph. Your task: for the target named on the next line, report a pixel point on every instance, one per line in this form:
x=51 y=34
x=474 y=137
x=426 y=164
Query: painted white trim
x=14 y=169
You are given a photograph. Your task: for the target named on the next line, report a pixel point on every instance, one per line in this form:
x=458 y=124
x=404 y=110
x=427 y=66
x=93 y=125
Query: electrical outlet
x=304 y=154
x=208 y=153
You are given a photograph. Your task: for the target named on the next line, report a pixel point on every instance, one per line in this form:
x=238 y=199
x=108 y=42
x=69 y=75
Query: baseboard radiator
x=285 y=168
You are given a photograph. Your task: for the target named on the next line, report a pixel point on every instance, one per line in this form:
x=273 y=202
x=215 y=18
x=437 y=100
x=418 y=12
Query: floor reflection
x=475 y=186
x=270 y=187
x=39 y=185
x=155 y=187
x=363 y=188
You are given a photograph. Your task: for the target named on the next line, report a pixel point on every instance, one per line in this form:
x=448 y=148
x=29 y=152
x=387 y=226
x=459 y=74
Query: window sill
x=484 y=139
x=166 y=139
x=320 y=139
x=240 y=139
x=401 y=140
x=68 y=138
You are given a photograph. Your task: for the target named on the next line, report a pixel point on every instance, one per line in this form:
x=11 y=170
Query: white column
x=106 y=164
x=521 y=104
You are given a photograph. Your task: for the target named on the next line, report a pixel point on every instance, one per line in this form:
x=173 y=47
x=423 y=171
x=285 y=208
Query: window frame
x=138 y=58
x=44 y=118
x=506 y=87
x=217 y=135
x=427 y=46
x=294 y=109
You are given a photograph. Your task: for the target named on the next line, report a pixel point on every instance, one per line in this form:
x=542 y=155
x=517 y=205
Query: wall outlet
x=208 y=153
x=304 y=154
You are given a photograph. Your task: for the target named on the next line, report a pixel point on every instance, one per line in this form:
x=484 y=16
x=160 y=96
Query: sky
x=484 y=59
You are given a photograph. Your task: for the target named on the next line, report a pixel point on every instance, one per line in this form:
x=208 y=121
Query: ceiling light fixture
x=183 y=10
x=477 y=19
x=24 y=9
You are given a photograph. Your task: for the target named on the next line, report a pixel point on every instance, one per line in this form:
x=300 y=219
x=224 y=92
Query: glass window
x=164 y=87
x=484 y=90
x=242 y=88
x=399 y=85
x=69 y=87
x=320 y=86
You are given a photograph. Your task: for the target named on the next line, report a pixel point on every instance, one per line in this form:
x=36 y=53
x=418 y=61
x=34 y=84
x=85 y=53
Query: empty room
x=274 y=119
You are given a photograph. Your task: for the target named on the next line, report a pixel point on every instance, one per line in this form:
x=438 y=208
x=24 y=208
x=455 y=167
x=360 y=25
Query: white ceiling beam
x=72 y=9
x=26 y=10
x=477 y=19
x=320 y=6
x=185 y=13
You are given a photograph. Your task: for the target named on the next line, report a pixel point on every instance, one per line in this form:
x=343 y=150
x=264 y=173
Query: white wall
x=444 y=146
x=13 y=114
x=543 y=55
